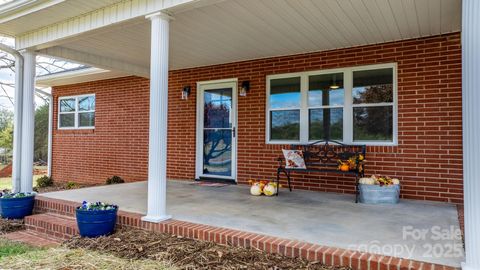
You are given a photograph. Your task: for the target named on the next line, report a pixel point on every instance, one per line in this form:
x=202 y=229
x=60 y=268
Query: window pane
x=373 y=123
x=217 y=152
x=373 y=86
x=326 y=90
x=325 y=124
x=285 y=93
x=67 y=105
x=218 y=108
x=86 y=119
x=86 y=103
x=67 y=120
x=285 y=125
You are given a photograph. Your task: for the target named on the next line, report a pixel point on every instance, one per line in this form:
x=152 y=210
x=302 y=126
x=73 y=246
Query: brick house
x=246 y=79
x=428 y=122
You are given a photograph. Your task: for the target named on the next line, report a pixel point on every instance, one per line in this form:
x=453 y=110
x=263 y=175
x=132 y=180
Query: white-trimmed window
x=76 y=112
x=350 y=105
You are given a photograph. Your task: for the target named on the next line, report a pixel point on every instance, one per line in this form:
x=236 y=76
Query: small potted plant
x=379 y=190
x=96 y=219
x=16 y=205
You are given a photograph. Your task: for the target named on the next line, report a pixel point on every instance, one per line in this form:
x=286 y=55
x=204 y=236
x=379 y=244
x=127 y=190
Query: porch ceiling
x=43 y=13
x=235 y=30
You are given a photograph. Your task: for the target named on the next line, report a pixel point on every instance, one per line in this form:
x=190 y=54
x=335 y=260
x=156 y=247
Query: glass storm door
x=216 y=134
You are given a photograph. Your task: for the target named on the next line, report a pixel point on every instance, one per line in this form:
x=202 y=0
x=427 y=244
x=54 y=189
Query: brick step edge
x=31 y=238
x=52 y=226
x=224 y=236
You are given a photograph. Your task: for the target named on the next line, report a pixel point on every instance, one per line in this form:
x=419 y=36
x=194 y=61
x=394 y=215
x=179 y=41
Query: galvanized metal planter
x=376 y=194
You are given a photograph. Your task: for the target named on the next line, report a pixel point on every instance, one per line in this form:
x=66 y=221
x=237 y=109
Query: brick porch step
x=52 y=226
x=31 y=238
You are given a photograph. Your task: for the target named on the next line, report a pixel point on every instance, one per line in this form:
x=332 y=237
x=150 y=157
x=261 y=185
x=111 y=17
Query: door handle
x=233 y=132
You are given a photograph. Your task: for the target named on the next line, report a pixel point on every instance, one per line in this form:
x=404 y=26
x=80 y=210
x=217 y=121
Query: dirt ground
x=185 y=253
x=11 y=225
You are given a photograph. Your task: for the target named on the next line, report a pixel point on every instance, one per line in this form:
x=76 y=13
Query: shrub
x=115 y=180
x=71 y=185
x=44 y=181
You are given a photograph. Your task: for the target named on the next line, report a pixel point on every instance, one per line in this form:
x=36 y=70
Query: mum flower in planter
x=96 y=219
x=16 y=205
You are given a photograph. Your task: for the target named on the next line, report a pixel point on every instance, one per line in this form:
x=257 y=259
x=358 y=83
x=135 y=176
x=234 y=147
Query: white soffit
x=235 y=30
x=27 y=15
x=77 y=76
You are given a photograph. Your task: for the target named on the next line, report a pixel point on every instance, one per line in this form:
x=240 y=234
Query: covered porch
x=325 y=219
x=156 y=37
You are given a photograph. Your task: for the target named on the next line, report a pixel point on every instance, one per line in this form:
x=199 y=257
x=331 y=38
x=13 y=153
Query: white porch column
x=157 y=149
x=471 y=130
x=28 y=121
x=17 y=124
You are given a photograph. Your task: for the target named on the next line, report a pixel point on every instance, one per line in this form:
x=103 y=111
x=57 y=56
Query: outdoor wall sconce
x=245 y=88
x=186 y=92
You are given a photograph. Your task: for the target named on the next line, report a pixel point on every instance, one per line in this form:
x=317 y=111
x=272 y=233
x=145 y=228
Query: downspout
x=17 y=116
x=50 y=129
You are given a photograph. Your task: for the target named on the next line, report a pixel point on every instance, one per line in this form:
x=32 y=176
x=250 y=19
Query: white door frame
x=201 y=86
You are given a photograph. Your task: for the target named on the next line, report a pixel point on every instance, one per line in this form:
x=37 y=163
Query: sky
x=7 y=76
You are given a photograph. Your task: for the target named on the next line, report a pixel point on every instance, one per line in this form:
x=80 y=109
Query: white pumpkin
x=367 y=181
x=256 y=190
x=395 y=181
x=270 y=189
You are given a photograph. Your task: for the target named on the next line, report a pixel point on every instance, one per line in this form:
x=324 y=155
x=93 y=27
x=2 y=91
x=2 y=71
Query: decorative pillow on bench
x=294 y=159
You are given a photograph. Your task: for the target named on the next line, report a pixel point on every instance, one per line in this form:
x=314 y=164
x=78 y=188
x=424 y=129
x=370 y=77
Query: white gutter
x=50 y=129
x=17 y=116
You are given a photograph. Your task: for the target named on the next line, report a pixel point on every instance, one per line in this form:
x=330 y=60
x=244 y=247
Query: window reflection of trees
x=217 y=142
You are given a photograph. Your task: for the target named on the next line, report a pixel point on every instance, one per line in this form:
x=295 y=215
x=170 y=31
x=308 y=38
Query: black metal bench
x=324 y=156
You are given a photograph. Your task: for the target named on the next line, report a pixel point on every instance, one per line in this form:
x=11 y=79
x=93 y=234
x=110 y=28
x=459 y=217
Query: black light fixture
x=186 y=92
x=245 y=88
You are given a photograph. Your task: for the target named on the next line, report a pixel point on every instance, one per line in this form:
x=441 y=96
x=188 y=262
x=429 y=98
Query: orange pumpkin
x=344 y=167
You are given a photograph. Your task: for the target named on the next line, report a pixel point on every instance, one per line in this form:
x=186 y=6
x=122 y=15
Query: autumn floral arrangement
x=352 y=163
x=259 y=187
x=379 y=180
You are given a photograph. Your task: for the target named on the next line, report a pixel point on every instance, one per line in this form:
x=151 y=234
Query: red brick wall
x=428 y=158
x=119 y=143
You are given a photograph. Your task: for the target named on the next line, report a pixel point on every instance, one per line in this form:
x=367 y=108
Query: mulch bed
x=11 y=225
x=59 y=187
x=189 y=254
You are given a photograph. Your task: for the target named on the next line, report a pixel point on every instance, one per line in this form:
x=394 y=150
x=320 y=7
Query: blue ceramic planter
x=96 y=223
x=16 y=208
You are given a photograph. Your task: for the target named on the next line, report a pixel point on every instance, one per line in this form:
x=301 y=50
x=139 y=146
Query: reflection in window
x=285 y=125
x=217 y=152
x=348 y=105
x=76 y=112
x=217 y=108
x=285 y=93
x=326 y=124
x=67 y=105
x=373 y=123
x=326 y=97
x=373 y=105
x=325 y=90
x=373 y=86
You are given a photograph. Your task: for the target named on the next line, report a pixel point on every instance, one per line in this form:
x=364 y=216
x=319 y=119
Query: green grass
x=10 y=248
x=19 y=256
x=6 y=182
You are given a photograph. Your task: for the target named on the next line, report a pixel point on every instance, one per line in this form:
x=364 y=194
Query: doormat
x=208 y=184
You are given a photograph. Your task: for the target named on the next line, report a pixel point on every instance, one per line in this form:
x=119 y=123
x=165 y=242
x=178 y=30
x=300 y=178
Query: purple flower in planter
x=96 y=206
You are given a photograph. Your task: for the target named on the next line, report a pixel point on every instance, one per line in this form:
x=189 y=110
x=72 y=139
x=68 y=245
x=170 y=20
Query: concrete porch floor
x=423 y=231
